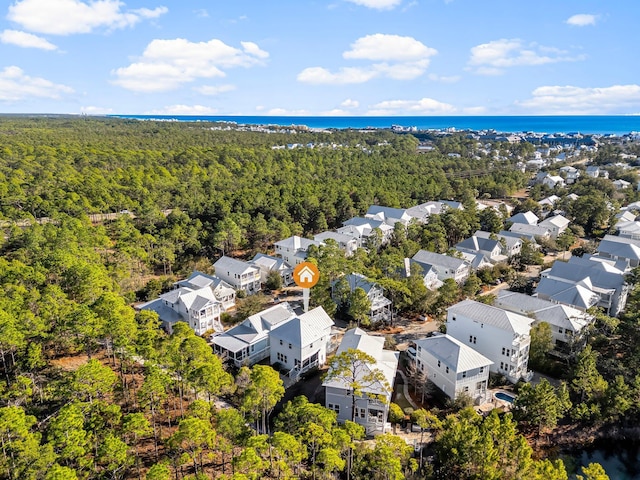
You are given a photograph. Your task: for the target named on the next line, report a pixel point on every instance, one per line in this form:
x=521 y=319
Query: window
x=464 y=374
x=559 y=329
x=481 y=369
x=479 y=385
x=280 y=342
x=289 y=345
x=438 y=363
x=334 y=407
x=501 y=365
x=447 y=369
x=361 y=412
x=466 y=389
x=281 y=357
x=503 y=350
x=470 y=338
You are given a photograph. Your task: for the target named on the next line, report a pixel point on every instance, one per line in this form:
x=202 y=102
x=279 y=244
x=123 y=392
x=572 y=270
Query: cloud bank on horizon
x=339 y=57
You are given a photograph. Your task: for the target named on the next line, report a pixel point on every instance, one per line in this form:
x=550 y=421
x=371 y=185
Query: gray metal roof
x=528 y=218
x=233 y=265
x=439 y=260
x=490 y=315
x=453 y=353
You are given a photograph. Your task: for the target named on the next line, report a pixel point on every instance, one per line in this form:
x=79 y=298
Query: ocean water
x=585 y=124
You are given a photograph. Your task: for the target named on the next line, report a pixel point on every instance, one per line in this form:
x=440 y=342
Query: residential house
x=367 y=409
x=553 y=181
x=197 y=307
x=619 y=248
x=625 y=216
x=422 y=212
x=248 y=342
x=594 y=171
x=293 y=250
x=427 y=272
x=362 y=229
x=621 y=184
x=556 y=225
x=240 y=275
x=511 y=244
x=571 y=174
x=527 y=218
x=347 y=243
x=300 y=344
x=452 y=204
x=528 y=231
x=569 y=326
x=548 y=202
x=388 y=215
x=629 y=230
x=486 y=246
x=380 y=305
x=222 y=291
x=268 y=264
x=581 y=286
x=501 y=336
x=453 y=367
x=446 y=266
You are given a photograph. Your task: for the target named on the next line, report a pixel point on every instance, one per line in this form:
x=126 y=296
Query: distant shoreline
x=564 y=124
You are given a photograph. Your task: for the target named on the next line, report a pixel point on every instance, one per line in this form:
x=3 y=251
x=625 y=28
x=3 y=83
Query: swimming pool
x=506 y=397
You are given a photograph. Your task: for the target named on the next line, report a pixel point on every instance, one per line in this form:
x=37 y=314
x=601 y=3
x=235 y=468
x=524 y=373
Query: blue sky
x=336 y=57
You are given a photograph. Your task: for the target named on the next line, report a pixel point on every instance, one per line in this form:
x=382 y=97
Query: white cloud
x=25 y=40
x=336 y=112
x=444 y=78
x=319 y=76
x=214 y=89
x=65 y=17
x=167 y=64
x=377 y=4
x=15 y=86
x=283 y=112
x=401 y=58
x=583 y=101
x=201 y=12
x=184 y=110
x=349 y=103
x=582 y=20
x=424 y=106
x=382 y=47
x=92 y=110
x=493 y=57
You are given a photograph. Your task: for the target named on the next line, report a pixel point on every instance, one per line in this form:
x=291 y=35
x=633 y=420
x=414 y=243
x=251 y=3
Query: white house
x=368 y=410
x=629 y=229
x=621 y=184
x=445 y=266
x=300 y=344
x=553 y=181
x=248 y=342
x=528 y=218
x=569 y=326
x=571 y=173
x=453 y=367
x=620 y=248
x=556 y=225
x=223 y=292
x=388 y=215
x=267 y=264
x=427 y=272
x=528 y=231
x=240 y=275
x=293 y=250
x=501 y=336
x=380 y=305
x=198 y=307
x=346 y=242
x=363 y=228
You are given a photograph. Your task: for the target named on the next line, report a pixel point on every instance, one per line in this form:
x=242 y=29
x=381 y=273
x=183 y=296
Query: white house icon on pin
x=306 y=275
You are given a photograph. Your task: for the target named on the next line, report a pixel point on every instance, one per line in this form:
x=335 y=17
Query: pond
x=620 y=460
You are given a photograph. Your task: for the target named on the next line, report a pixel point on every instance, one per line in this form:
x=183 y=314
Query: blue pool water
x=505 y=397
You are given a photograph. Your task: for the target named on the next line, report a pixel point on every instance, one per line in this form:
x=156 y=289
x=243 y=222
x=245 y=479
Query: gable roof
x=439 y=260
x=229 y=264
x=619 y=249
x=525 y=229
x=556 y=314
x=296 y=243
x=509 y=238
x=528 y=218
x=305 y=329
x=490 y=315
x=479 y=244
x=386 y=360
x=338 y=237
x=268 y=262
x=568 y=293
x=557 y=221
x=453 y=353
